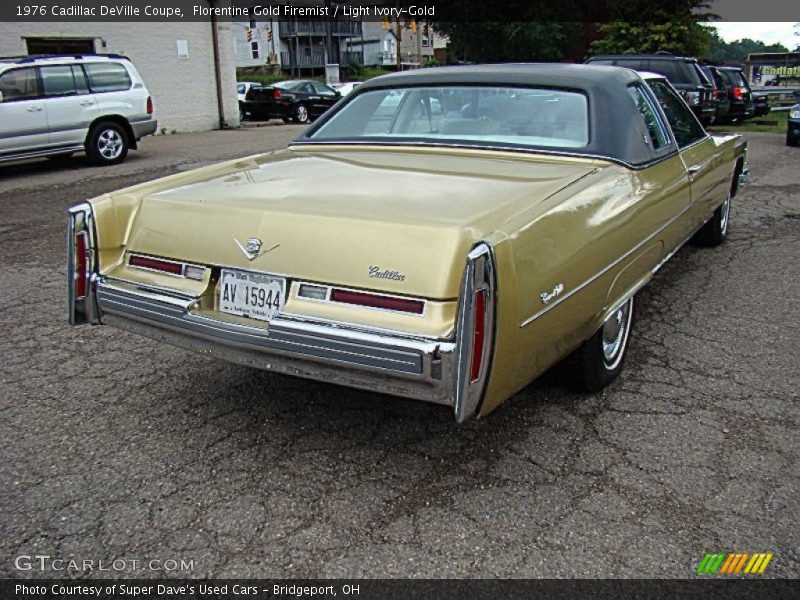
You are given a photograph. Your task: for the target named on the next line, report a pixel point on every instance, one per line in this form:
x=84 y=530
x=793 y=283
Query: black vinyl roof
x=616 y=128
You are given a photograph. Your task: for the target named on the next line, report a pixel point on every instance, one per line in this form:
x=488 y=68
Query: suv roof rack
x=34 y=57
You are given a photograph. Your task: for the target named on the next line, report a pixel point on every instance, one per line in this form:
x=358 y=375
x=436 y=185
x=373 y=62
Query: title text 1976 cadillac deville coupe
x=443 y=234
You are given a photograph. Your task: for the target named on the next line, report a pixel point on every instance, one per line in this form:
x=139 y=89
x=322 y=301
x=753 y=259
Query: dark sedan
x=295 y=100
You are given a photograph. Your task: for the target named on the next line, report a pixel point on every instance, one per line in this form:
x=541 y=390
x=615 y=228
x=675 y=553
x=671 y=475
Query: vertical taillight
x=737 y=93
x=81 y=270
x=475 y=331
x=149 y=105
x=478 y=334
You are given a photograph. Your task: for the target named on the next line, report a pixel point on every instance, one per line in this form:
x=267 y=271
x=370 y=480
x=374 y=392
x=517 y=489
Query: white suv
x=58 y=105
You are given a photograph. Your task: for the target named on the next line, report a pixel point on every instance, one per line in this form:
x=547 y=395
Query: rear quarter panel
x=600 y=238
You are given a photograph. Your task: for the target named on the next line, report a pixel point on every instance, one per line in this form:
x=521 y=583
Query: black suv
x=683 y=73
x=739 y=94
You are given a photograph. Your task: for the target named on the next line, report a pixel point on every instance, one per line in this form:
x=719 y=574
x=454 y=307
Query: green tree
x=721 y=51
x=503 y=42
x=687 y=38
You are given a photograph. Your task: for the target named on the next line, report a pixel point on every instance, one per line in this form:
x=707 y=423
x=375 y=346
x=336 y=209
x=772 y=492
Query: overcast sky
x=769 y=33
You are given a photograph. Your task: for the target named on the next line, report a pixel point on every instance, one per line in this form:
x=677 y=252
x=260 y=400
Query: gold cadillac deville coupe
x=443 y=234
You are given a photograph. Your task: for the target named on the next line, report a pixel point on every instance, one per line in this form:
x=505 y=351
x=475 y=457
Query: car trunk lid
x=349 y=216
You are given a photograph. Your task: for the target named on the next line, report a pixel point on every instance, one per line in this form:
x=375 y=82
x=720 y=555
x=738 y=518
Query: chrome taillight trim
x=81 y=310
x=183 y=265
x=331 y=288
x=479 y=275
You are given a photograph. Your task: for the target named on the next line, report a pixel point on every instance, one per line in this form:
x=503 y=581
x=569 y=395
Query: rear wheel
x=300 y=114
x=715 y=231
x=598 y=361
x=107 y=144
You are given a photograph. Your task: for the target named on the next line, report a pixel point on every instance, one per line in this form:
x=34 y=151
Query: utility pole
x=399 y=30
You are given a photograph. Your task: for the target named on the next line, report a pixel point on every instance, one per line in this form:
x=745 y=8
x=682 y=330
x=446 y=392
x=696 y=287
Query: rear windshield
x=482 y=115
x=736 y=78
x=289 y=85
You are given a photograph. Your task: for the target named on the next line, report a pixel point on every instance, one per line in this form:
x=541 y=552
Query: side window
x=240 y=88
x=108 y=77
x=323 y=89
x=19 y=84
x=58 y=80
x=685 y=127
x=655 y=128
x=307 y=88
x=81 y=84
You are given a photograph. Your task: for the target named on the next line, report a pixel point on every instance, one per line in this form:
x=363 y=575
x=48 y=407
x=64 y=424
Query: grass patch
x=780 y=119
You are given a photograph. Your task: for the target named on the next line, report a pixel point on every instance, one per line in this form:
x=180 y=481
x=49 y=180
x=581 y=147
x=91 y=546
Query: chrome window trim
x=496 y=148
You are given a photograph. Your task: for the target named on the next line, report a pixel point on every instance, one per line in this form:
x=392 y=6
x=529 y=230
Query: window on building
x=254 y=49
x=425 y=41
x=107 y=77
x=59 y=46
x=19 y=84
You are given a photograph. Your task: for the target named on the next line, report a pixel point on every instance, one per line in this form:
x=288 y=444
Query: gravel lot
x=114 y=447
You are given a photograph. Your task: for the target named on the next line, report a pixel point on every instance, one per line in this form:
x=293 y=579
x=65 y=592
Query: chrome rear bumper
x=452 y=371
x=401 y=365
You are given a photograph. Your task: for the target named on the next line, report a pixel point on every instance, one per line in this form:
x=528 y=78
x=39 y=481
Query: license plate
x=249 y=294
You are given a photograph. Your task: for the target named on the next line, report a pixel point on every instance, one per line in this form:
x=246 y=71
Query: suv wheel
x=107 y=144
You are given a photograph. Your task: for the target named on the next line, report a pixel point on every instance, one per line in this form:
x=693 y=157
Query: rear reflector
x=194 y=272
x=314 y=292
x=80 y=265
x=149 y=105
x=165 y=266
x=376 y=301
x=479 y=331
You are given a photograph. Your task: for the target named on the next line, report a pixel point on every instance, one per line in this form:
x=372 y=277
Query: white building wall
x=183 y=90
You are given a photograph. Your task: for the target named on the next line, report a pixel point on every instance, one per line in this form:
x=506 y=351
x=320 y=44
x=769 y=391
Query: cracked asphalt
x=116 y=447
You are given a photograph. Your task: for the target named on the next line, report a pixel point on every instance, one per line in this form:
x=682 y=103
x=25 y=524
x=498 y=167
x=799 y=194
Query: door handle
x=34 y=109
x=693 y=171
x=86 y=103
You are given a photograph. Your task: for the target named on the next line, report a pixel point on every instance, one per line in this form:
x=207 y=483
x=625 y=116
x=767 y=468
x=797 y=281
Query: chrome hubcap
x=109 y=144
x=302 y=113
x=615 y=334
x=725 y=211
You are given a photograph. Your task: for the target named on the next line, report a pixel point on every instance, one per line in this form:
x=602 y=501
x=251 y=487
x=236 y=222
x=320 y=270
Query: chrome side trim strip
x=41 y=153
x=603 y=271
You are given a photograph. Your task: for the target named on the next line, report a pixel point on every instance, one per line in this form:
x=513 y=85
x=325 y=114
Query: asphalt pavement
x=113 y=447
